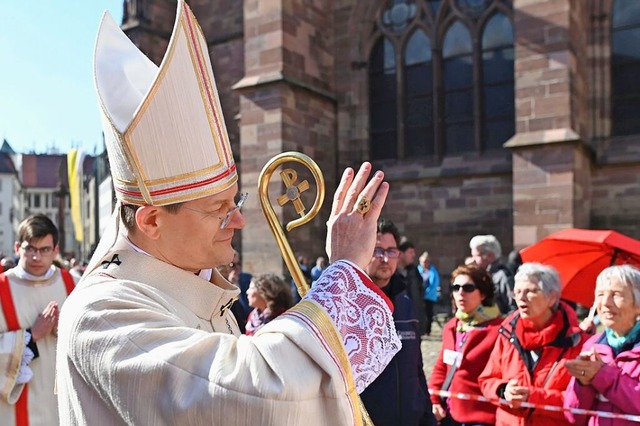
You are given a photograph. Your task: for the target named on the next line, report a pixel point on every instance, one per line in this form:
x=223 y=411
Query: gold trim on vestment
x=14 y=367
x=334 y=340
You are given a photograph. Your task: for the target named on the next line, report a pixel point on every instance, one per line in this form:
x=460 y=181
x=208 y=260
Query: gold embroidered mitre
x=164 y=130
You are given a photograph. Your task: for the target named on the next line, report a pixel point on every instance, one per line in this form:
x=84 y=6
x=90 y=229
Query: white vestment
x=30 y=298
x=142 y=342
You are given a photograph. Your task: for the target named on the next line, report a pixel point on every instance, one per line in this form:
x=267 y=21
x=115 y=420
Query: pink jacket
x=615 y=388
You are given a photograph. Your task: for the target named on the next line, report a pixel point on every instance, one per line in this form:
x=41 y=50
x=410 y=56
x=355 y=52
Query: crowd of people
x=539 y=358
x=535 y=355
x=164 y=328
x=511 y=337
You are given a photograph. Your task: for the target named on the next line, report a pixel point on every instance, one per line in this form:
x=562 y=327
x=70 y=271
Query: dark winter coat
x=399 y=395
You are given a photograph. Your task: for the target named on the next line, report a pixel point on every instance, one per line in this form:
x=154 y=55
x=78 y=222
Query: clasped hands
x=47 y=322
x=585 y=366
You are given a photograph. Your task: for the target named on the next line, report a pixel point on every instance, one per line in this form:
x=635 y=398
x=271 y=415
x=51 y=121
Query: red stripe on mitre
x=194 y=185
x=204 y=75
x=187 y=186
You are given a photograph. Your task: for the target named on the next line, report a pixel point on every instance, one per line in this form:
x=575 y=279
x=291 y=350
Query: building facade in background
x=515 y=118
x=38 y=183
x=10 y=201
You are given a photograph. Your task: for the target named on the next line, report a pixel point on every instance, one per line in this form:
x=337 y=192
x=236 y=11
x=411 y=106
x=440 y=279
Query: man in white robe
x=30 y=295
x=147 y=338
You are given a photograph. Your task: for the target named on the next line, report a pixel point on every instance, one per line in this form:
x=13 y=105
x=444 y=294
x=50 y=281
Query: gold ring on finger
x=364 y=205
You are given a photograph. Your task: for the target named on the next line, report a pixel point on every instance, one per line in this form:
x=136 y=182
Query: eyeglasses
x=390 y=253
x=467 y=288
x=32 y=251
x=227 y=217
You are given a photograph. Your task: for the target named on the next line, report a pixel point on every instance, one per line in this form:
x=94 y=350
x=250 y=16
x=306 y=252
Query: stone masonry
x=292 y=75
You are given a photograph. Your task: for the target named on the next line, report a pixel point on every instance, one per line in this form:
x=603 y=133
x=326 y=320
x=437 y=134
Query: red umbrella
x=579 y=255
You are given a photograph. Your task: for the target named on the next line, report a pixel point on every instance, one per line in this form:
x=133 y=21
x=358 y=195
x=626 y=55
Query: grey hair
x=627 y=275
x=484 y=243
x=424 y=255
x=547 y=277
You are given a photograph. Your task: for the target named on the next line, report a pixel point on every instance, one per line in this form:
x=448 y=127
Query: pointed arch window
x=383 y=100
x=498 y=123
x=457 y=78
x=447 y=84
x=625 y=67
x=418 y=116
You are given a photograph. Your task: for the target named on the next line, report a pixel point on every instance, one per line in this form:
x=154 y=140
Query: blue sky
x=47 y=98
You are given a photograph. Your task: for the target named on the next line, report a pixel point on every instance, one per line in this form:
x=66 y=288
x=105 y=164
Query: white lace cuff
x=362 y=316
x=24 y=373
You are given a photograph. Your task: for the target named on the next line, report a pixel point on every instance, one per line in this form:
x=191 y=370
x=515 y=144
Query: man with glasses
x=31 y=294
x=399 y=395
x=147 y=337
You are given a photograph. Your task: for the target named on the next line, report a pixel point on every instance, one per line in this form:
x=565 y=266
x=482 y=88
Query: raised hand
x=351 y=231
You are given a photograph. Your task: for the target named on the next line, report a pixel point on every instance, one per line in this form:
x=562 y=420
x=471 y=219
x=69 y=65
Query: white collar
x=20 y=272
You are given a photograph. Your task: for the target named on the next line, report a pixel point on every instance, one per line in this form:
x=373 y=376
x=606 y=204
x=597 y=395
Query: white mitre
x=164 y=130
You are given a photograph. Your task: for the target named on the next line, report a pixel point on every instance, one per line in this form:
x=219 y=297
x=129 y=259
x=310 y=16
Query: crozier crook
x=293 y=191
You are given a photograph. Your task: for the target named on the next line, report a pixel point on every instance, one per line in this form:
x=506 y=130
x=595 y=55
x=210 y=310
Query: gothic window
x=383 y=100
x=418 y=117
x=625 y=67
x=440 y=77
x=498 y=123
x=457 y=78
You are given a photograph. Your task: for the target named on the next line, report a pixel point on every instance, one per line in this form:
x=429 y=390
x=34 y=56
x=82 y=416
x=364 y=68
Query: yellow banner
x=75 y=158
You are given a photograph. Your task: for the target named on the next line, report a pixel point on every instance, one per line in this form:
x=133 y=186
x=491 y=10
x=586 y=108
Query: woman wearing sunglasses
x=467 y=340
x=528 y=361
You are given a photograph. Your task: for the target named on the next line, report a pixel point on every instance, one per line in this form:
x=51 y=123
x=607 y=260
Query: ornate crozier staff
x=289 y=177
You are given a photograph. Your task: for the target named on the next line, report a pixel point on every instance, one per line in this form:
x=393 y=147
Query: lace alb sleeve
x=25 y=373
x=363 y=317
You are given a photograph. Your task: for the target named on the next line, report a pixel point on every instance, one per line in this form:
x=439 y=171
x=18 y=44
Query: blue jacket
x=430 y=282
x=399 y=395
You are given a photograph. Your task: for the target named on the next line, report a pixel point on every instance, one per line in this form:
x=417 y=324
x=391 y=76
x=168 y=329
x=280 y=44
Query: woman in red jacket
x=527 y=363
x=467 y=340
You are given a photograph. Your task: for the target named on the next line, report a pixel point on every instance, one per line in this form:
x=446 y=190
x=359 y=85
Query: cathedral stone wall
x=294 y=76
